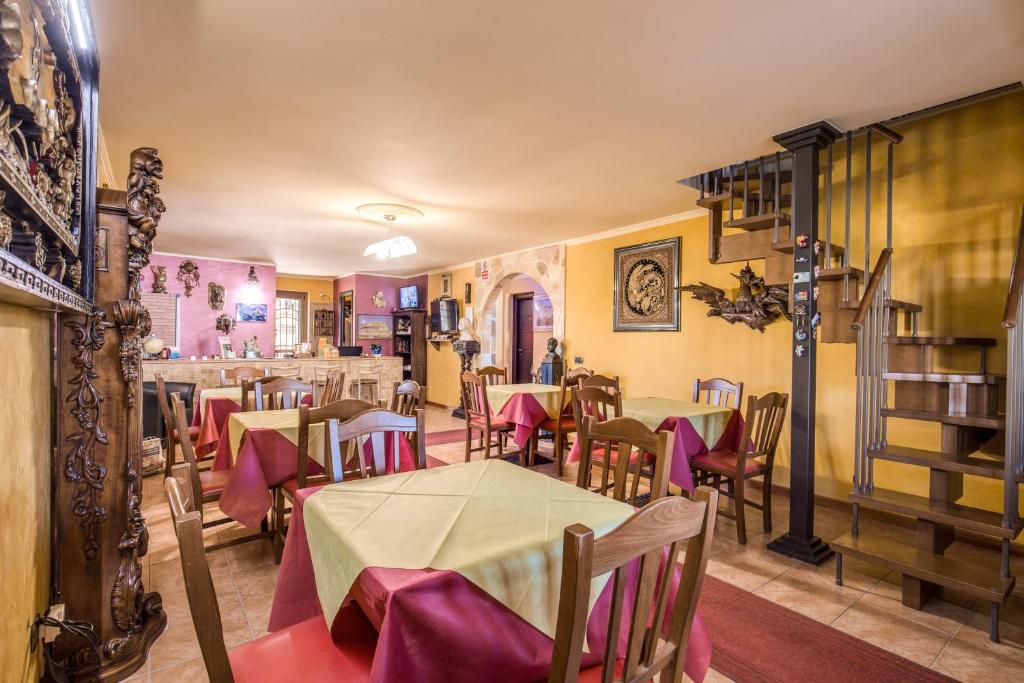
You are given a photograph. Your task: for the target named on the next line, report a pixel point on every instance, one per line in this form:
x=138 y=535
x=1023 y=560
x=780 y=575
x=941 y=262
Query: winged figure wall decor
x=756 y=304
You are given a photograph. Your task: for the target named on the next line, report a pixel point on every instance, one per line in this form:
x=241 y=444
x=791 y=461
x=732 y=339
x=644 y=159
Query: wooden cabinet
x=410 y=344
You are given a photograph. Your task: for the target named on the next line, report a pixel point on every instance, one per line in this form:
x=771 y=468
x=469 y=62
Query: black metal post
x=805 y=143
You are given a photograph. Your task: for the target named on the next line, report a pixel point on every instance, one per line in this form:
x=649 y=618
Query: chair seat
x=592 y=674
x=550 y=424
x=193 y=433
x=497 y=425
x=213 y=481
x=305 y=652
x=725 y=462
x=290 y=487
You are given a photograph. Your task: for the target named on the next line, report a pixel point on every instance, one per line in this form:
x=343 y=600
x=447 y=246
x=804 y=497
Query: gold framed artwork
x=647 y=287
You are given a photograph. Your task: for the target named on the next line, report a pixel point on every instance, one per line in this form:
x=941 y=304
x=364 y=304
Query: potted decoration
x=376 y=349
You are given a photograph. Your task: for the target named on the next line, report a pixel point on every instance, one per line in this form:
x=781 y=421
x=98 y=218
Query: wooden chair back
x=474 y=398
x=620 y=436
x=178 y=410
x=320 y=372
x=601 y=404
x=281 y=393
x=762 y=428
x=249 y=391
x=609 y=384
x=407 y=397
x=169 y=429
x=719 y=392
x=289 y=371
x=329 y=389
x=374 y=427
x=202 y=597
x=232 y=377
x=343 y=410
x=670 y=522
x=491 y=374
x=574 y=375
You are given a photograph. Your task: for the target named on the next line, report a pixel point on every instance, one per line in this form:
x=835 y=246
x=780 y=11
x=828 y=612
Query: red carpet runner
x=448 y=436
x=754 y=639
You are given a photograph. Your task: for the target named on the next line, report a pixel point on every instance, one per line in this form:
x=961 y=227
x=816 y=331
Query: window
x=289 y=320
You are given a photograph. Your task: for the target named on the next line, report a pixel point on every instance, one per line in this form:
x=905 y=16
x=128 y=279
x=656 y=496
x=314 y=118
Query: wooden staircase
x=977 y=440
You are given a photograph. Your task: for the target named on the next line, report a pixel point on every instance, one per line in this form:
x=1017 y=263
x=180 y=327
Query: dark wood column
x=805 y=143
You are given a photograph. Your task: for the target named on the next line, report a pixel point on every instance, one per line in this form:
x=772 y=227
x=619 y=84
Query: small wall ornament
x=225 y=323
x=216 y=296
x=188 y=276
x=159 y=279
x=379 y=301
x=756 y=304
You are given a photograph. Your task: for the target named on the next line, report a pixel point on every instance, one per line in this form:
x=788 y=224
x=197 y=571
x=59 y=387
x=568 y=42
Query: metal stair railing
x=1013 y=312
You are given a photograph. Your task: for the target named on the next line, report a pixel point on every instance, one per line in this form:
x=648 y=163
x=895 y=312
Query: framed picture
x=225 y=347
x=446 y=285
x=374 y=326
x=646 y=287
x=543 y=313
x=251 y=313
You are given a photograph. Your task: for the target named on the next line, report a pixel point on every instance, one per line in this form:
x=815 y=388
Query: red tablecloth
x=212 y=423
x=437 y=626
x=265 y=459
x=686 y=444
x=526 y=413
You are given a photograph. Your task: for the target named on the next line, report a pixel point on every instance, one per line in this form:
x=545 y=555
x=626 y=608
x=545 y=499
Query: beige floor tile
x=937 y=614
x=966 y=661
x=802 y=591
x=748 y=567
x=1011 y=635
x=191 y=670
x=881 y=627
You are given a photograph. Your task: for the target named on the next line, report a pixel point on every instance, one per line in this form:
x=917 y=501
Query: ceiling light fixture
x=391 y=247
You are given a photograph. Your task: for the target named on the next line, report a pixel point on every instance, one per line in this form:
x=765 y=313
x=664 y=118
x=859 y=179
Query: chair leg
x=767 y=503
x=741 y=518
x=487 y=444
x=278 y=525
x=558 y=450
x=469 y=444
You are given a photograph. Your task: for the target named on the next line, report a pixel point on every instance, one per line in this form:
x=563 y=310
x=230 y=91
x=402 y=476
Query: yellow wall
x=315 y=289
x=959 y=186
x=25 y=496
x=442 y=363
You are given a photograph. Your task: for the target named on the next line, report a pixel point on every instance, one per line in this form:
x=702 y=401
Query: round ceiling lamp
x=390 y=213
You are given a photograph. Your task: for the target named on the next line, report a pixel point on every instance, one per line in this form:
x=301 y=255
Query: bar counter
x=205 y=374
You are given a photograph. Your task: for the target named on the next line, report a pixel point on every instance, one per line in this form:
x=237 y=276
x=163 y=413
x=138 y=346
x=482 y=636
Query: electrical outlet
x=578 y=360
x=50 y=633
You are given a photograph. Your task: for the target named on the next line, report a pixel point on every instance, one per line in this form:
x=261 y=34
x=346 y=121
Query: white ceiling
x=508 y=124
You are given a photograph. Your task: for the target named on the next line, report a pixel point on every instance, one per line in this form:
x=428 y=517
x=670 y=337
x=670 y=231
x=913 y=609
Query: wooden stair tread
x=839 y=273
x=972 y=579
x=889 y=303
x=717 y=201
x=979 y=467
x=941 y=341
x=968 y=420
x=953 y=514
x=761 y=221
x=786 y=247
x=944 y=377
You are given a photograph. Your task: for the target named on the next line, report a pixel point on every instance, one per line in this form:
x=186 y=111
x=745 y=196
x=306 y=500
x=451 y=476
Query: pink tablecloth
x=437 y=626
x=212 y=423
x=526 y=413
x=686 y=444
x=265 y=459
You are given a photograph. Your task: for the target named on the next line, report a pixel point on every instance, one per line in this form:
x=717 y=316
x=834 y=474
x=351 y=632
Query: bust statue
x=551 y=367
x=465 y=327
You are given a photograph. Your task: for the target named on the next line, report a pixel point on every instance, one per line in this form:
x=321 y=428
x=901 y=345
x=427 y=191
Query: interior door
x=522 y=350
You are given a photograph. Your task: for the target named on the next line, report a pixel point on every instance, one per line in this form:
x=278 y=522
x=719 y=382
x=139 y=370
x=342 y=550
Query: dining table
x=259 y=449
x=697 y=428
x=458 y=568
x=526 y=406
x=210 y=414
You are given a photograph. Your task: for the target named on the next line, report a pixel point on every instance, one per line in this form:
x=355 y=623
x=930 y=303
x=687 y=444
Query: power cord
x=56 y=670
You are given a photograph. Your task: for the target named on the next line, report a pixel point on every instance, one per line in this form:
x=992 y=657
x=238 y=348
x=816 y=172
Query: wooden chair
x=720 y=392
x=302 y=652
x=170 y=426
x=281 y=393
x=609 y=384
x=344 y=409
x=755 y=458
x=616 y=440
x=207 y=486
x=407 y=396
x=249 y=391
x=479 y=419
x=232 y=377
x=491 y=374
x=565 y=425
x=373 y=427
x=601 y=404
x=289 y=371
x=329 y=389
x=670 y=522
x=367 y=380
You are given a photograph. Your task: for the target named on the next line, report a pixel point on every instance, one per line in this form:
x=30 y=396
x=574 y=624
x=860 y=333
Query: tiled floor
x=949 y=637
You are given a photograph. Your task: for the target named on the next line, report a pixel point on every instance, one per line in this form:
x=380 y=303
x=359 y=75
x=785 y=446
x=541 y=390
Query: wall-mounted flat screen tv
x=409 y=297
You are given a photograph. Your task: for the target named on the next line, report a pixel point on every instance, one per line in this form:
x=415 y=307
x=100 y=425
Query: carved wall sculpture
x=159 y=279
x=217 y=296
x=756 y=304
x=188 y=276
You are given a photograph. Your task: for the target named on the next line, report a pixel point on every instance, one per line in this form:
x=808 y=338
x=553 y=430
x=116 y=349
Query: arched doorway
x=516 y=321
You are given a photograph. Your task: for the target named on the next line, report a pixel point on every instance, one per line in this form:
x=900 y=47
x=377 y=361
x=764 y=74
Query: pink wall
x=198 y=335
x=363 y=288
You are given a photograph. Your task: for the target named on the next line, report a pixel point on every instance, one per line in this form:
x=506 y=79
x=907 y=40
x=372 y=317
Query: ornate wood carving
x=144 y=207
x=18 y=275
x=134 y=324
x=80 y=466
x=159 y=279
x=756 y=304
